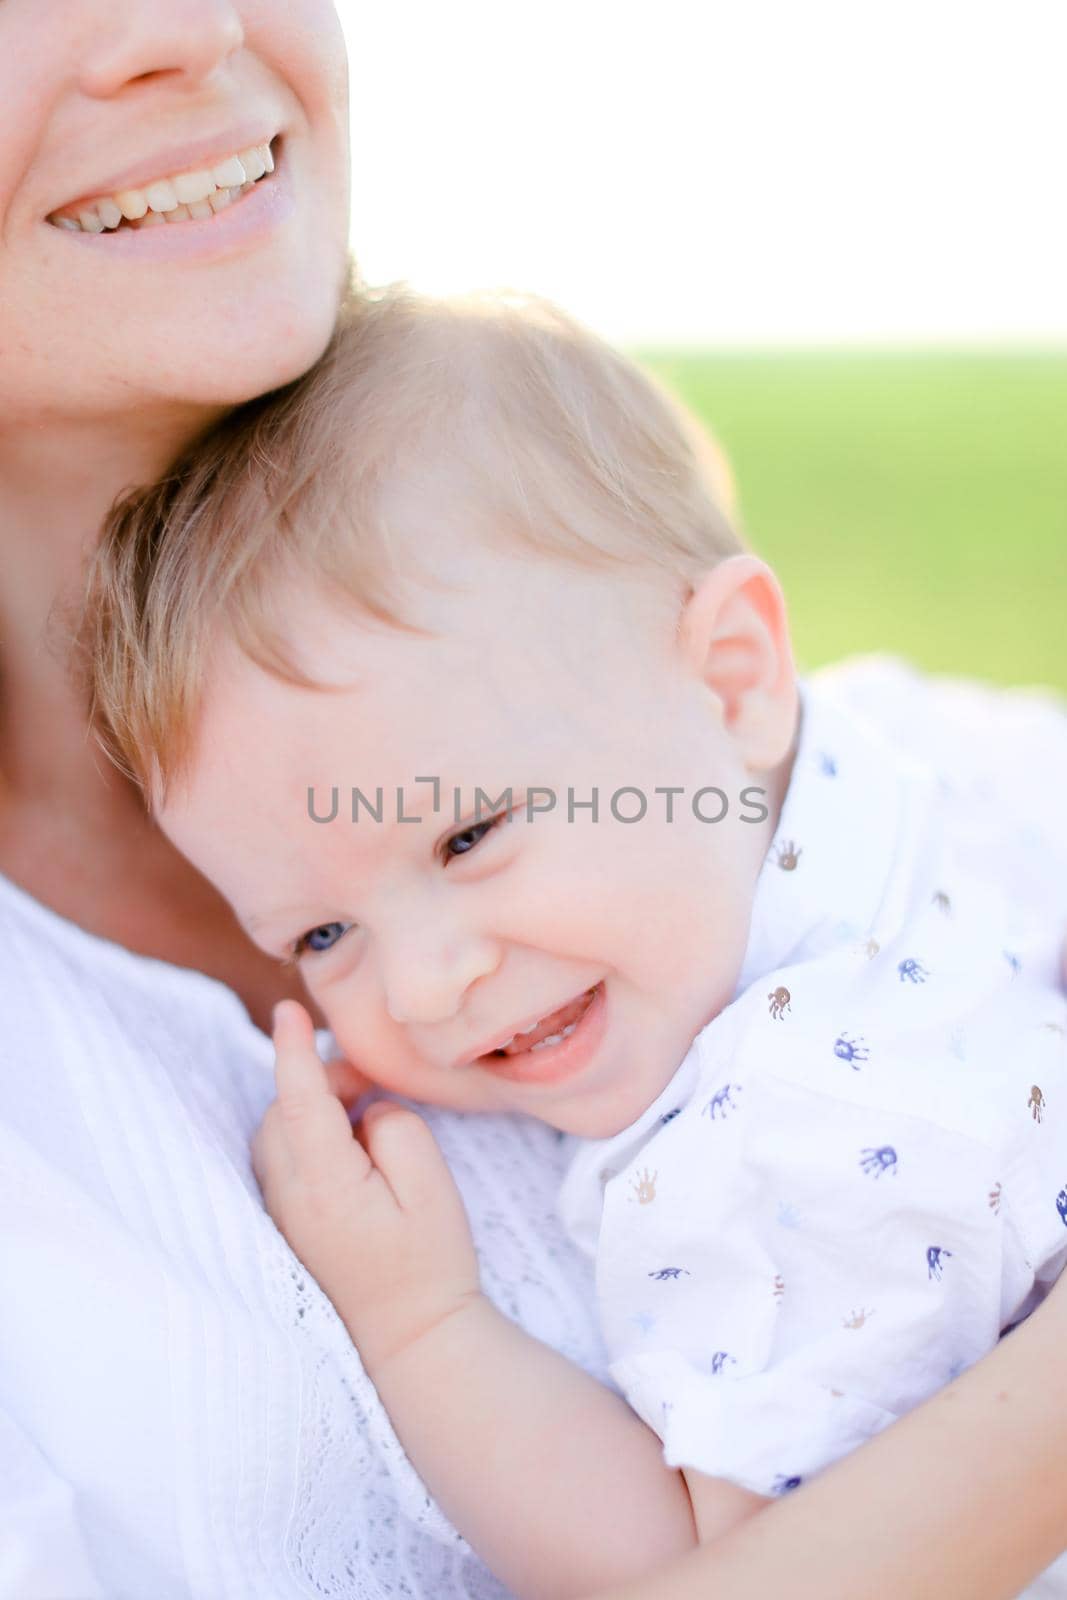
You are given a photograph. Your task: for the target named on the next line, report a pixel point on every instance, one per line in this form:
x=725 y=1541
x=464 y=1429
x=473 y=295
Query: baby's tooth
x=192 y=186
x=179 y=214
x=220 y=199
x=110 y=213
x=253 y=163
x=152 y=219
x=200 y=209
x=133 y=203
x=161 y=196
x=268 y=159
x=68 y=222
x=90 y=221
x=228 y=174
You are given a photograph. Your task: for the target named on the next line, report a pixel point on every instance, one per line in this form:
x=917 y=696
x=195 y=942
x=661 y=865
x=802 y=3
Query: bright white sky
x=805 y=171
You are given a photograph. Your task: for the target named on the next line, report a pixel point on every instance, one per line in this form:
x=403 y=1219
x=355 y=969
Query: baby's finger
x=315 y=1124
x=406 y=1153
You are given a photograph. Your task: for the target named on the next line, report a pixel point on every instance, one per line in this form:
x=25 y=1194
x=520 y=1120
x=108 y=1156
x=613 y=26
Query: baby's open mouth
x=184 y=197
x=550 y=1030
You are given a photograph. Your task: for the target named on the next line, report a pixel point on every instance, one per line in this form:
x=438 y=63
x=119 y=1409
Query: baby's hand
x=373 y=1213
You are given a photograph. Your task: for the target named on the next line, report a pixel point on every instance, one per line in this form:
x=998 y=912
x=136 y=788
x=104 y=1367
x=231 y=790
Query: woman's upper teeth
x=187 y=194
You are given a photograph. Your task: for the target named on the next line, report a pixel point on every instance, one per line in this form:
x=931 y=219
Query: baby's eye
x=460 y=844
x=324 y=937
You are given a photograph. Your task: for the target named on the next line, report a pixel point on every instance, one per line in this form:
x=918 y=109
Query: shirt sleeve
x=809 y=1268
x=42 y=1550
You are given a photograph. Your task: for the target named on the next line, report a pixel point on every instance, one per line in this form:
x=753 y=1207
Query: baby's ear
x=734 y=635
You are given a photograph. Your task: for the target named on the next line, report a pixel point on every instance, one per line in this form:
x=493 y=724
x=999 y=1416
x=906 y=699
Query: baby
x=448 y=667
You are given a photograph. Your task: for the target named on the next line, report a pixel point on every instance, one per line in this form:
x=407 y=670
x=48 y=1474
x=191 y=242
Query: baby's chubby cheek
x=383 y=1052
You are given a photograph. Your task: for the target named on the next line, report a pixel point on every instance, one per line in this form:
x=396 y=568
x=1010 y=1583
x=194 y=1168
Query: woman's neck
x=58 y=480
x=73 y=831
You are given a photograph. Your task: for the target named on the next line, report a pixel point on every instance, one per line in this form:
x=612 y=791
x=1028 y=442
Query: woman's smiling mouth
x=185 y=196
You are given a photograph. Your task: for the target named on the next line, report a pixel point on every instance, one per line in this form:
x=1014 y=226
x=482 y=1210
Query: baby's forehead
x=509 y=650
x=453 y=590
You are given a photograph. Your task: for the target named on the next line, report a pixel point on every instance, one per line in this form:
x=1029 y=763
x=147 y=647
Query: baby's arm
x=965 y=1495
x=550 y=1476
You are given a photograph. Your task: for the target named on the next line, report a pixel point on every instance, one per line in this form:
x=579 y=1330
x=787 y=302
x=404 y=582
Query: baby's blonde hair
x=503 y=406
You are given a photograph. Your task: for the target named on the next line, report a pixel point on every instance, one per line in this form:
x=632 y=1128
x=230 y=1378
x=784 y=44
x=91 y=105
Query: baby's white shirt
x=858 y=1176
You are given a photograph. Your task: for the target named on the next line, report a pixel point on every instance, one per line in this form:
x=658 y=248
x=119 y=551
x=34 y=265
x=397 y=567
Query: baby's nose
x=426 y=980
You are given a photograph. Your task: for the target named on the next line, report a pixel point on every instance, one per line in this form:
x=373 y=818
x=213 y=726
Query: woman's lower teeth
x=201 y=210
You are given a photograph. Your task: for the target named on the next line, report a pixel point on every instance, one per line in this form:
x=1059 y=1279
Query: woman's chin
x=227 y=366
x=253 y=365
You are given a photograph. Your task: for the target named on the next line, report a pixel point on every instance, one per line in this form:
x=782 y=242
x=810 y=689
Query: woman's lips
x=240 y=228
x=194 y=155
x=555 y=1062
x=172 y=199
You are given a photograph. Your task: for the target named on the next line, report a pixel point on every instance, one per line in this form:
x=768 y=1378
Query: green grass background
x=911 y=502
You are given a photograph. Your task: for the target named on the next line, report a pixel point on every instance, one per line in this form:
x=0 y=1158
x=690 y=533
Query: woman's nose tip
x=158 y=38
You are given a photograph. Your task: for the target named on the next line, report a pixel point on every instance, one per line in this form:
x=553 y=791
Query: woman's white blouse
x=182 y=1413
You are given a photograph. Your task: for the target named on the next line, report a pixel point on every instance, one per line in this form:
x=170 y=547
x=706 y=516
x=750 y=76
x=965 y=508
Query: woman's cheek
x=305 y=43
